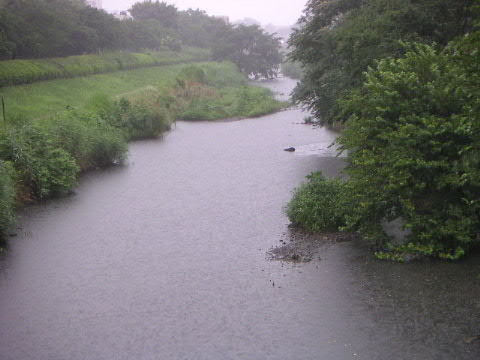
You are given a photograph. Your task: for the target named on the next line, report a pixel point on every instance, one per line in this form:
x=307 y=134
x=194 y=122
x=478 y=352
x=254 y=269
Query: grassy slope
x=48 y=97
x=16 y=72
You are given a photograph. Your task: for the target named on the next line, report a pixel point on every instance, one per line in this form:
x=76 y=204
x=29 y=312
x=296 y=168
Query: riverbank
x=57 y=129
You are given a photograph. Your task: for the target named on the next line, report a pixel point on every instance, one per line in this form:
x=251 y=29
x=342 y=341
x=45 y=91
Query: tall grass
x=16 y=72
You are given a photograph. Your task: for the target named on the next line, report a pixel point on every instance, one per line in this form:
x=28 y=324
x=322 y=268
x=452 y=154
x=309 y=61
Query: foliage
x=336 y=41
x=413 y=139
x=317 y=204
x=416 y=251
x=41 y=166
x=255 y=52
x=292 y=69
x=7 y=197
x=166 y=15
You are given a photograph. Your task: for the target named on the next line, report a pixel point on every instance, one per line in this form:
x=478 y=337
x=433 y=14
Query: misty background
x=278 y=12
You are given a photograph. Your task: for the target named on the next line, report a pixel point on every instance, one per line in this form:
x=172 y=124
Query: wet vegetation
x=410 y=121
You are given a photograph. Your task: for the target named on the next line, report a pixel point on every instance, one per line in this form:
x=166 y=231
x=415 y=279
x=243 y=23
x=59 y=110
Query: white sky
x=278 y=12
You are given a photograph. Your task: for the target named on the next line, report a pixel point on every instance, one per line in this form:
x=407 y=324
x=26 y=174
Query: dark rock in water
x=290 y=149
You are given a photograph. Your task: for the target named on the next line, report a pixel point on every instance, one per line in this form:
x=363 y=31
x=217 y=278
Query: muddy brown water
x=167 y=258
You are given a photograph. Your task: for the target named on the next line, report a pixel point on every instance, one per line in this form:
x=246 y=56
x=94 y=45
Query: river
x=166 y=257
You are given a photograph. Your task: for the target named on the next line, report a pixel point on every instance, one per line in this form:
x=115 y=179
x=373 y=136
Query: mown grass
x=50 y=97
x=16 y=72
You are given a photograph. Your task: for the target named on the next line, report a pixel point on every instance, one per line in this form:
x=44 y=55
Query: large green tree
x=413 y=132
x=336 y=40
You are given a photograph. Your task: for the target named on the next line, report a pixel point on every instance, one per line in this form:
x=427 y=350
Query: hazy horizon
x=277 y=12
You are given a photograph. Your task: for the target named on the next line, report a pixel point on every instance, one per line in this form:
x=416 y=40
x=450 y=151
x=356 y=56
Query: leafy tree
x=336 y=40
x=162 y=12
x=255 y=52
x=413 y=136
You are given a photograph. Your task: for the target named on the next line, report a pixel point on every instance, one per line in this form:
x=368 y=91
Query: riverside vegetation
x=411 y=121
x=69 y=104
x=54 y=130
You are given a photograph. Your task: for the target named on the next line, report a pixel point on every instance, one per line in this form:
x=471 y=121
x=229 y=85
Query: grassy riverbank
x=16 y=72
x=54 y=130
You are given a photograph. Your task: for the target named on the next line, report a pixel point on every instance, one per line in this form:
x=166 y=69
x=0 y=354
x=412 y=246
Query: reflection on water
x=165 y=258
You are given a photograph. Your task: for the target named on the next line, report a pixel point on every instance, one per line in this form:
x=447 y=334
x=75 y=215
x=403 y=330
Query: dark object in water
x=290 y=149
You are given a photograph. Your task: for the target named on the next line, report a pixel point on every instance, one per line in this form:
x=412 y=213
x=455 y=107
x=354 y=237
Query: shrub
x=317 y=204
x=87 y=138
x=144 y=117
x=7 y=197
x=42 y=167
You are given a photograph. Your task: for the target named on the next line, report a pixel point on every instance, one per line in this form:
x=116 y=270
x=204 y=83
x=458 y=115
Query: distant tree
x=255 y=52
x=162 y=12
x=196 y=28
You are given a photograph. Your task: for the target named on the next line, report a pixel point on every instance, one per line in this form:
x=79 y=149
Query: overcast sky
x=278 y=12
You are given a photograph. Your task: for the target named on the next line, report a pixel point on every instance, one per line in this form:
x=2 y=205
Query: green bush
x=42 y=167
x=139 y=118
x=7 y=197
x=317 y=205
x=87 y=138
x=413 y=135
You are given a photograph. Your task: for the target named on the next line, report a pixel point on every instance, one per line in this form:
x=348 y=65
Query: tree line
x=57 y=28
x=401 y=77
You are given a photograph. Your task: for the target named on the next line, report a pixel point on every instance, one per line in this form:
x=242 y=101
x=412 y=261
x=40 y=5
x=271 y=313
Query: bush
x=87 y=138
x=145 y=116
x=7 y=197
x=42 y=167
x=317 y=204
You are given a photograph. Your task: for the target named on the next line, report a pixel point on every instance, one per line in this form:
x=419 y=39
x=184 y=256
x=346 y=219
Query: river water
x=167 y=258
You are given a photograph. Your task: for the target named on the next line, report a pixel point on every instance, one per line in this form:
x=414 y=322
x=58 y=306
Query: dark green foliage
x=413 y=132
x=7 y=197
x=42 y=167
x=337 y=40
x=318 y=204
